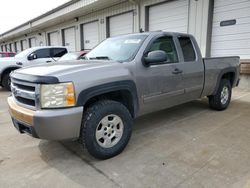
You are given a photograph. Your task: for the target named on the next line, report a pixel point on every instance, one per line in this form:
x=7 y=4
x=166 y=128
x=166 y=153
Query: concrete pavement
x=185 y=146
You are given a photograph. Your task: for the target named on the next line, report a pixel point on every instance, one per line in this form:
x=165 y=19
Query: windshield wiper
x=100 y=57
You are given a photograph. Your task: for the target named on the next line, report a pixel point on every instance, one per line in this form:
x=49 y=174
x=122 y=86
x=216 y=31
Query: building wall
x=197 y=21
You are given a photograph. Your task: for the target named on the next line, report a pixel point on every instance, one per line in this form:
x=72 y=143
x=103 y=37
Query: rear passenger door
x=192 y=68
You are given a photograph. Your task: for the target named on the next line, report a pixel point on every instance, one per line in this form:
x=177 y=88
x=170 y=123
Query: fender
x=127 y=85
x=224 y=71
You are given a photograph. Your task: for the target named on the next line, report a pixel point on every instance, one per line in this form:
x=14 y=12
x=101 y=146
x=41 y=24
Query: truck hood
x=65 y=68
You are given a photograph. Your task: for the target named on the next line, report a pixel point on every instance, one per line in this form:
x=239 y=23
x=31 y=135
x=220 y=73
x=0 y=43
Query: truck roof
x=158 y=32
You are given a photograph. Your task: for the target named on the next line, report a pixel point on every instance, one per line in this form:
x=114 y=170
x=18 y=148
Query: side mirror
x=32 y=56
x=157 y=56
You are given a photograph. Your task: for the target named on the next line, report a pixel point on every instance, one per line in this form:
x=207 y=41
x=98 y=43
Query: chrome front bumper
x=54 y=124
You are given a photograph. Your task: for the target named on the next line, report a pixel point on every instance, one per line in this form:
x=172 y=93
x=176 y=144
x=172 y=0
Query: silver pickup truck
x=96 y=100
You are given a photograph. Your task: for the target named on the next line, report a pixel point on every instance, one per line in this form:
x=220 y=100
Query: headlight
x=57 y=95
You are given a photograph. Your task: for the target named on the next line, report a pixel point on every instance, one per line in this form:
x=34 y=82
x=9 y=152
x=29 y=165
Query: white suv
x=28 y=57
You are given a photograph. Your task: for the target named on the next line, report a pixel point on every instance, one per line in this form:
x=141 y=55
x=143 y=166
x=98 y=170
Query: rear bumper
x=55 y=124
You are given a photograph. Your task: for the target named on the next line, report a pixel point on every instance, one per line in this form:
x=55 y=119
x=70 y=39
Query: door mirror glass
x=32 y=56
x=157 y=56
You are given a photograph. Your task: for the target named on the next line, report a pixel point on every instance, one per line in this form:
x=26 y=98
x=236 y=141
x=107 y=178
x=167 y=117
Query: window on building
x=187 y=49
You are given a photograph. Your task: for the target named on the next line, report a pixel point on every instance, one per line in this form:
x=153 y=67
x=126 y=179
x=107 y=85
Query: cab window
x=58 y=52
x=42 y=53
x=167 y=45
x=187 y=49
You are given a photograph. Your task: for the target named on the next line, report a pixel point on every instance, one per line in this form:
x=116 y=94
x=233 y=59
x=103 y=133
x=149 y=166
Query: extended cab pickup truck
x=96 y=100
x=31 y=56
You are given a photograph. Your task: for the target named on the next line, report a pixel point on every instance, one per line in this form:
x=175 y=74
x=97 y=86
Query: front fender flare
x=127 y=85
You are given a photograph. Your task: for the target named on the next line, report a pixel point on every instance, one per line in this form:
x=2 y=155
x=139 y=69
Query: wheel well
x=122 y=96
x=229 y=76
x=8 y=70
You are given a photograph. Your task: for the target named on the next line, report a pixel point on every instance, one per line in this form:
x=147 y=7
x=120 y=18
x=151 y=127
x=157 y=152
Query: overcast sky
x=16 y=12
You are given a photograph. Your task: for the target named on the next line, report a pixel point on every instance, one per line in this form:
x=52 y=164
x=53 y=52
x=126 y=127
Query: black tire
x=92 y=121
x=215 y=101
x=6 y=81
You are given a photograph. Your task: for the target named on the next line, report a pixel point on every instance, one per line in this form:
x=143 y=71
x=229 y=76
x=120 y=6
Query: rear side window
x=58 y=52
x=187 y=49
x=43 y=53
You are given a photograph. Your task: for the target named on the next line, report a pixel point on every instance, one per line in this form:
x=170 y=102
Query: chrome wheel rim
x=109 y=131
x=224 y=95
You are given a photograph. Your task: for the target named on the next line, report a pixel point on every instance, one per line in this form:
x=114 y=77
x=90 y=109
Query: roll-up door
x=90 y=35
x=32 y=42
x=121 y=24
x=53 y=39
x=13 y=47
x=70 y=38
x=18 y=46
x=24 y=44
x=170 y=16
x=10 y=47
x=231 y=28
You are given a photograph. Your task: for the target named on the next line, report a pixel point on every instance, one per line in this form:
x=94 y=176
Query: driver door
x=161 y=83
x=42 y=56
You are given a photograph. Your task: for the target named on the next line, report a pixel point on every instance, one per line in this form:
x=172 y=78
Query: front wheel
x=106 y=129
x=221 y=100
x=6 y=81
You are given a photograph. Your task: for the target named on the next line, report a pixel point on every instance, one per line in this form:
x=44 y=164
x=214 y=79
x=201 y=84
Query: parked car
x=31 y=56
x=96 y=100
x=73 y=56
x=7 y=54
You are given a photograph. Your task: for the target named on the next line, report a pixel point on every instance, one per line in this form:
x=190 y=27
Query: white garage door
x=24 y=44
x=70 y=38
x=10 y=47
x=18 y=47
x=53 y=39
x=32 y=42
x=90 y=32
x=13 y=47
x=171 y=16
x=121 y=24
x=231 y=28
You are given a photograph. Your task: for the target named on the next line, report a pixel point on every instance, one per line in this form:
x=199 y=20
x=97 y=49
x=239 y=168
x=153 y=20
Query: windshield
x=24 y=53
x=122 y=48
x=69 y=56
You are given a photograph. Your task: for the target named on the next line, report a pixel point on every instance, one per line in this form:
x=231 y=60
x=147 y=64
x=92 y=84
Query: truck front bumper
x=55 y=124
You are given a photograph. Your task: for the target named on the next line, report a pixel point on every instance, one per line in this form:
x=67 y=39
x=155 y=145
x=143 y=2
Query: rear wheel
x=222 y=98
x=106 y=129
x=6 y=81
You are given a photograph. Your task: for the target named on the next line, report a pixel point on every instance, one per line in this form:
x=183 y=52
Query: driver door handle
x=177 y=71
x=48 y=61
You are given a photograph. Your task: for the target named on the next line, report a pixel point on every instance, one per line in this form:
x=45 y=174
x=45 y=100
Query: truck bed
x=214 y=69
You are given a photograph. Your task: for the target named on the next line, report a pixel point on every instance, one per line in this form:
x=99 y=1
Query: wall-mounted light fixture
x=25 y=35
x=76 y=19
x=40 y=34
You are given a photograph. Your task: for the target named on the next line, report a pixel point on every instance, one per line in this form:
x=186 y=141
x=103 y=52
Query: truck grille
x=24 y=93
